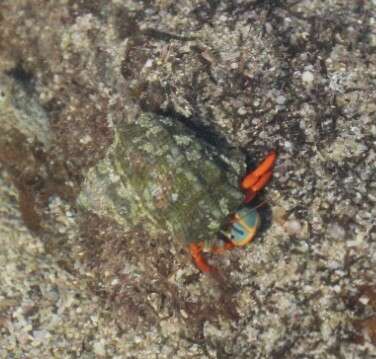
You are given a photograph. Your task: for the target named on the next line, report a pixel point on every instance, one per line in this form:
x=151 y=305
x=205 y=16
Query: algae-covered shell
x=158 y=174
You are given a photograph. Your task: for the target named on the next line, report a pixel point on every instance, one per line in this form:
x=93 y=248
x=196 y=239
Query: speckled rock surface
x=299 y=76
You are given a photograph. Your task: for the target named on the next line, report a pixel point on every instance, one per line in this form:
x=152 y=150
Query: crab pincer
x=256 y=180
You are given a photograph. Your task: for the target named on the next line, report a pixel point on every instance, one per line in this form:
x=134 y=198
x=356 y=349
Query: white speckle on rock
x=354 y=243
x=288 y=145
x=242 y=111
x=234 y=65
x=115 y=281
x=280 y=100
x=41 y=335
x=184 y=313
x=149 y=63
x=293 y=227
x=364 y=300
x=169 y=327
x=99 y=348
x=307 y=77
x=86 y=139
x=114 y=178
x=336 y=231
x=269 y=27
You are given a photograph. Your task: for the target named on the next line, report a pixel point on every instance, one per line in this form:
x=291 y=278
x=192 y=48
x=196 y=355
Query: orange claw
x=257 y=179
x=196 y=252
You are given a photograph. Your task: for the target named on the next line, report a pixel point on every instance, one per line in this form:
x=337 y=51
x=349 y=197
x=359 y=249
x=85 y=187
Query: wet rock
x=295 y=75
x=20 y=111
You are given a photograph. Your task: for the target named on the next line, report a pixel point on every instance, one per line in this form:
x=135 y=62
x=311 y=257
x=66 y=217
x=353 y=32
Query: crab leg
x=196 y=252
x=219 y=250
x=257 y=179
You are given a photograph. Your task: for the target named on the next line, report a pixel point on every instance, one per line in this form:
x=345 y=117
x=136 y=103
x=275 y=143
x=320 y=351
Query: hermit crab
x=245 y=221
x=176 y=185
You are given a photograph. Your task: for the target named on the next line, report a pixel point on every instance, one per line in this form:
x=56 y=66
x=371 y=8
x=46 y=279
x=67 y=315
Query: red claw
x=257 y=179
x=196 y=252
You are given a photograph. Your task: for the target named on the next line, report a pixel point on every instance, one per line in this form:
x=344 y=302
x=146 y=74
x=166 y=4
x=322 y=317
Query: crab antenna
x=263 y=203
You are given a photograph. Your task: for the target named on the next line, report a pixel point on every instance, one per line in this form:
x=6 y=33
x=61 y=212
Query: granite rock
x=80 y=280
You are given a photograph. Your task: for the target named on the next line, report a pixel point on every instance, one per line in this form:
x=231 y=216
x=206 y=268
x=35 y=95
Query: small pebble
x=364 y=300
x=293 y=227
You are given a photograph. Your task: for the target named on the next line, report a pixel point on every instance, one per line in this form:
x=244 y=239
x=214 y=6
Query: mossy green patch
x=159 y=175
